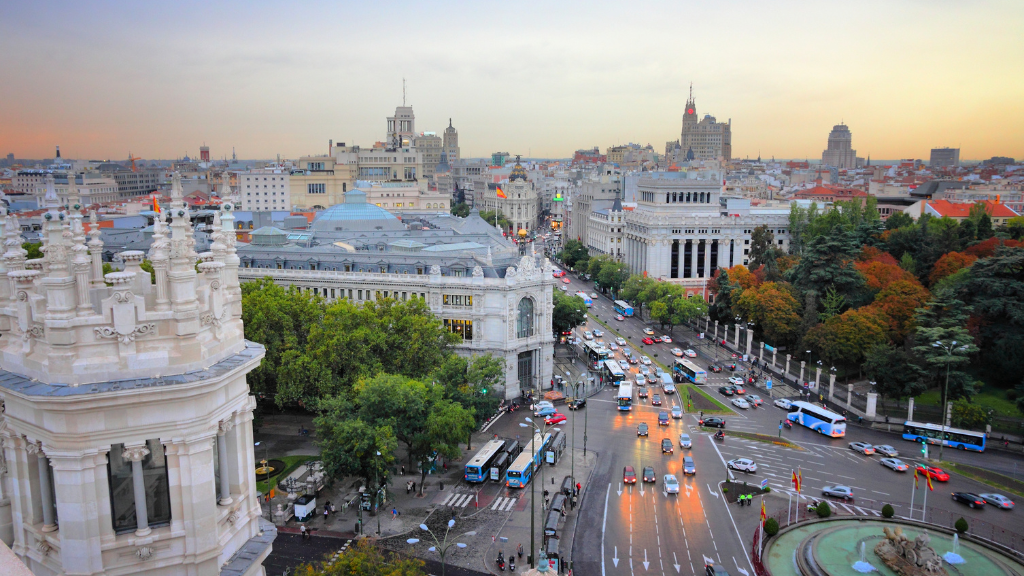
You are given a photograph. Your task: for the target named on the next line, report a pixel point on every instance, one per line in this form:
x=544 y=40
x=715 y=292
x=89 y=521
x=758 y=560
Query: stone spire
x=159 y=255
x=81 y=263
x=181 y=272
x=95 y=250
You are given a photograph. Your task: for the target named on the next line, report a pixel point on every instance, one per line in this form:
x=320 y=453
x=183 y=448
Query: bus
x=521 y=471
x=612 y=373
x=597 y=353
x=818 y=419
x=622 y=307
x=955 y=437
x=586 y=298
x=625 y=396
x=478 y=468
x=690 y=371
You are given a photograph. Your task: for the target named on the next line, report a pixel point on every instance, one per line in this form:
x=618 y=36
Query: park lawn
x=989 y=397
x=290 y=464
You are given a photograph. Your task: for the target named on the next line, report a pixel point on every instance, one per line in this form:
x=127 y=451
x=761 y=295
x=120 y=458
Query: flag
x=799 y=479
x=796 y=483
x=764 y=515
x=916 y=480
x=156 y=205
x=928 y=477
x=500 y=192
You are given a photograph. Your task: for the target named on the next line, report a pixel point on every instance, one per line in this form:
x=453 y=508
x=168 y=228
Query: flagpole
x=789 y=509
x=924 y=506
x=913 y=489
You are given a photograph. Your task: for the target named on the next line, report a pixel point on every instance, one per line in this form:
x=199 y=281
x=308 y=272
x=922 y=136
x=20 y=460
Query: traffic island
x=766 y=438
x=733 y=490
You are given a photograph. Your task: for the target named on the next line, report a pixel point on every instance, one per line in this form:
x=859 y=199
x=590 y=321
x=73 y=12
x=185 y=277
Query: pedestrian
x=413 y=486
x=578 y=487
x=394 y=513
x=302 y=531
x=327 y=512
x=403 y=469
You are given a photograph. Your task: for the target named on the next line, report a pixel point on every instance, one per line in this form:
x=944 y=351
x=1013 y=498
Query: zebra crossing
x=503 y=504
x=457 y=500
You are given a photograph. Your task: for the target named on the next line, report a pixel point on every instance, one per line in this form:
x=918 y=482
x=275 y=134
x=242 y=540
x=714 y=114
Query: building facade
x=429 y=146
x=597 y=191
x=265 y=189
x=605 y=230
x=126 y=428
x=89 y=188
x=402 y=197
x=519 y=204
x=944 y=157
x=701 y=138
x=451 y=144
x=840 y=153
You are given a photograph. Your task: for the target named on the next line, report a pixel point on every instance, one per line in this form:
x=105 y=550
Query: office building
x=840 y=153
x=451 y=144
x=944 y=157
x=264 y=189
x=701 y=138
x=429 y=146
x=596 y=191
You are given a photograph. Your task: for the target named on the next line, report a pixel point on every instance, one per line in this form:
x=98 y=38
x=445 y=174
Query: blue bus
x=521 y=471
x=955 y=437
x=690 y=371
x=596 y=353
x=624 y=396
x=612 y=373
x=586 y=298
x=817 y=418
x=623 y=307
x=478 y=468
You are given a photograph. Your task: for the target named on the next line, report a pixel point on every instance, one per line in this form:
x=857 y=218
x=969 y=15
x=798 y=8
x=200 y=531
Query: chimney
x=330 y=147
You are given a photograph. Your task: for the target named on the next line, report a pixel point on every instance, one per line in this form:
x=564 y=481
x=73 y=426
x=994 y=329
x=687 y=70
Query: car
x=649 y=331
x=684 y=441
x=998 y=500
x=735 y=356
x=658 y=371
x=669 y=388
x=725 y=390
x=736 y=380
x=711 y=570
x=783 y=403
x=620 y=317
x=640 y=380
x=656 y=400
x=657 y=339
x=971 y=499
x=641 y=429
x=649 y=475
x=663 y=418
x=645 y=360
x=545 y=411
x=935 y=473
x=577 y=403
x=666 y=446
x=671 y=484
x=713 y=421
x=648 y=341
x=593 y=294
x=598 y=333
x=556 y=418
x=740 y=403
x=645 y=370
x=677 y=411
x=642 y=392
x=624 y=364
x=689 y=468
x=754 y=400
x=542 y=403
x=739 y=390
x=632 y=360
x=886 y=450
x=620 y=341
x=862 y=447
x=689 y=353
x=628 y=475
x=677 y=352
x=588 y=335
x=742 y=464
x=895 y=464
x=731 y=367
x=565 y=280
x=838 y=491
x=666 y=339
x=563 y=288
x=613 y=346
x=714 y=368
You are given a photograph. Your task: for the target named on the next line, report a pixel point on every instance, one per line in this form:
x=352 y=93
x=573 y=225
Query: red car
x=935 y=473
x=648 y=341
x=565 y=280
x=555 y=418
x=628 y=475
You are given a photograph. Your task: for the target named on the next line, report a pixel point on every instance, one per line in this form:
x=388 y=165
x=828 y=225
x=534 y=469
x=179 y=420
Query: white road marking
x=604 y=524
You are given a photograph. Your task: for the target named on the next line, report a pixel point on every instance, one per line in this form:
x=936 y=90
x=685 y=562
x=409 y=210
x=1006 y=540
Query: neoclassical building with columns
x=126 y=431
x=682 y=229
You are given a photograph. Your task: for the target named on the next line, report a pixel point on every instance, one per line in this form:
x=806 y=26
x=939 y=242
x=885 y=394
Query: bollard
x=441 y=484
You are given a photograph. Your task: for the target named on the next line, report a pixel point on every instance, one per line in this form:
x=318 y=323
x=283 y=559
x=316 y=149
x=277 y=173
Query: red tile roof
x=963 y=209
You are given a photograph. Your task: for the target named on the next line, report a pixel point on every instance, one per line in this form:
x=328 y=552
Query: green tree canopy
x=461 y=209
x=574 y=254
x=567 y=312
x=895 y=372
x=995 y=292
x=946 y=343
x=503 y=223
x=349 y=446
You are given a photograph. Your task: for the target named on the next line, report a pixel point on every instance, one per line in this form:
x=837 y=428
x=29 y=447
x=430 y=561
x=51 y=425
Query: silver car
x=998 y=500
x=838 y=491
x=886 y=450
x=688 y=466
x=685 y=441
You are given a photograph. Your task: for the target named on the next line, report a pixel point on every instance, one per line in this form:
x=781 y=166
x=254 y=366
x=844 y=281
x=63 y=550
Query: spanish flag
x=156 y=205
x=501 y=193
x=764 y=515
x=928 y=477
x=916 y=482
x=796 y=482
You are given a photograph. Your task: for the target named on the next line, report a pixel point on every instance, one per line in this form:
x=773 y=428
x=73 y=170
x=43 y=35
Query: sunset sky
x=542 y=79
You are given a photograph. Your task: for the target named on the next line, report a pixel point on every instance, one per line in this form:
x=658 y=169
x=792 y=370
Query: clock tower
x=689 y=115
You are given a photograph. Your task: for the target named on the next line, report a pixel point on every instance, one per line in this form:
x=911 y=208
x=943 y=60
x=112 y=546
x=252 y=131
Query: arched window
x=524 y=323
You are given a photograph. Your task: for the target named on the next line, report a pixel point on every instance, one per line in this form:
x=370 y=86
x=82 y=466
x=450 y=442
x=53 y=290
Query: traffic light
x=924 y=449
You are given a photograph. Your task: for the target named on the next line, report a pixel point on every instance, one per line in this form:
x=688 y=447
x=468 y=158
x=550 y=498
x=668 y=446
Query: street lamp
x=541 y=430
x=948 y=349
x=377 y=496
x=442 y=546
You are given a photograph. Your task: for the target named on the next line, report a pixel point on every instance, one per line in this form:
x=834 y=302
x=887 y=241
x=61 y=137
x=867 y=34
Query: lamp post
x=377 y=495
x=441 y=546
x=948 y=349
x=541 y=430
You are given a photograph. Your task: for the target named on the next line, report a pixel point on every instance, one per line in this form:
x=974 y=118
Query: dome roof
x=518 y=172
x=355 y=209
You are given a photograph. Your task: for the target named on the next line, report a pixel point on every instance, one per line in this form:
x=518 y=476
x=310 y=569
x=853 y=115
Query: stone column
x=716 y=332
x=760 y=353
x=750 y=340
x=849 y=396
x=707 y=258
x=222 y=461
x=800 y=380
x=693 y=258
x=817 y=380
x=831 y=386
x=45 y=489
x=135 y=454
x=910 y=409
x=786 y=373
x=737 y=344
x=872 y=404
x=774 y=353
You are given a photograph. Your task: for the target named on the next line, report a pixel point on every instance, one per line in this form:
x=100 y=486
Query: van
x=667 y=384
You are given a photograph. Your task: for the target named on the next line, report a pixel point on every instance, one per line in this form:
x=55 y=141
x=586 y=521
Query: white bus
x=613 y=374
x=479 y=467
x=817 y=418
x=690 y=371
x=625 y=396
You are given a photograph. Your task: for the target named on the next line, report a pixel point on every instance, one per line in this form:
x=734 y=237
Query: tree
x=762 y=247
x=573 y=252
x=1014 y=228
x=961 y=525
x=723 y=288
x=567 y=312
x=634 y=286
x=448 y=423
x=771 y=527
x=364 y=558
x=613 y=276
x=969 y=416
x=399 y=402
x=833 y=304
x=949 y=264
x=995 y=292
x=846 y=339
x=898 y=220
x=33 y=250
x=899 y=302
x=502 y=223
x=828 y=260
x=894 y=371
x=595 y=264
x=907 y=263
x=943 y=320
x=888 y=511
x=774 y=310
x=461 y=209
x=475 y=383
x=349 y=446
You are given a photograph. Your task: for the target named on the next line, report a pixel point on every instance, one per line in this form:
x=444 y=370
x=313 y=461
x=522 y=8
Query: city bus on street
x=625 y=396
x=622 y=307
x=596 y=353
x=478 y=468
x=817 y=418
x=955 y=437
x=586 y=298
x=521 y=471
x=612 y=373
x=690 y=371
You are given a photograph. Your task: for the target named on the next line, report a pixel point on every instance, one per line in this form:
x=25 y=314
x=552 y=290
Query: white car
x=838 y=491
x=620 y=341
x=613 y=346
x=640 y=380
x=593 y=294
x=740 y=403
x=677 y=352
x=689 y=353
x=588 y=335
x=666 y=339
x=598 y=333
x=736 y=381
x=671 y=484
x=895 y=464
x=563 y=288
x=645 y=360
x=998 y=500
x=862 y=447
x=886 y=450
x=685 y=441
x=623 y=364
x=669 y=388
x=783 y=403
x=649 y=331
x=743 y=464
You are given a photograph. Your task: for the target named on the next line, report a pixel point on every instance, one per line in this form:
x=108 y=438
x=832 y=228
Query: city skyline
x=100 y=80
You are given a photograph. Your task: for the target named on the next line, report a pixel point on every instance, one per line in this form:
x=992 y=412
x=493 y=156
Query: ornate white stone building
x=126 y=433
x=520 y=202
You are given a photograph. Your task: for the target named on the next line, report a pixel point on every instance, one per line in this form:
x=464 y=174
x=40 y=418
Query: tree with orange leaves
x=949 y=264
x=774 y=310
x=898 y=302
x=741 y=275
x=879 y=273
x=846 y=338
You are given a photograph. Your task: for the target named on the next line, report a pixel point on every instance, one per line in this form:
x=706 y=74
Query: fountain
x=264 y=468
x=862 y=565
x=954 y=556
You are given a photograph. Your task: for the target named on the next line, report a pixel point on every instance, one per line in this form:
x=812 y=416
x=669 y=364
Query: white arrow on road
x=615 y=557
x=738 y=569
x=689 y=489
x=676 y=560
x=646 y=563
x=620 y=489
x=712 y=491
x=641 y=489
